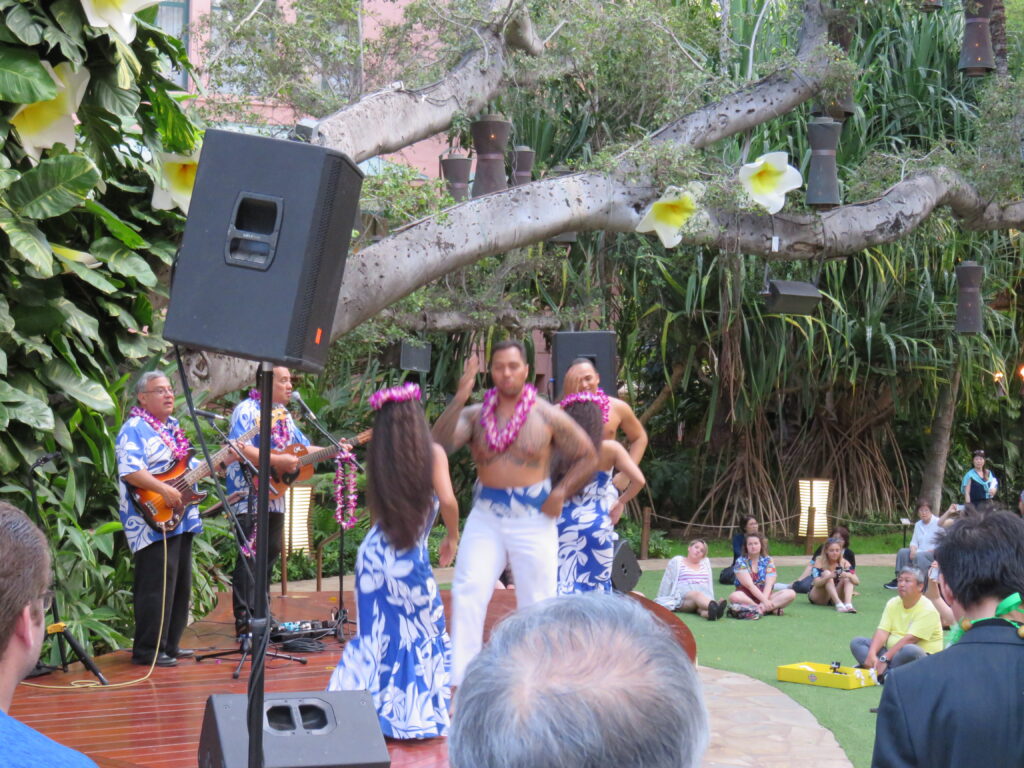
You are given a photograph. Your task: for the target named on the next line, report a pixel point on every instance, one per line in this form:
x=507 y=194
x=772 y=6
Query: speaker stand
x=245 y=651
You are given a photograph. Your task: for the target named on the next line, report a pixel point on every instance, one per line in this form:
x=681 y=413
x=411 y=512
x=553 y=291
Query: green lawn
x=806 y=633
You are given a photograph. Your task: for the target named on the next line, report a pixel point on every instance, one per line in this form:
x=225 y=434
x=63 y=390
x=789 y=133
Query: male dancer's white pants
x=505 y=526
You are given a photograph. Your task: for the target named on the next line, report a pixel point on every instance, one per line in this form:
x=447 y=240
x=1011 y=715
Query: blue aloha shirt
x=586 y=540
x=140 y=447
x=401 y=653
x=246 y=416
x=765 y=568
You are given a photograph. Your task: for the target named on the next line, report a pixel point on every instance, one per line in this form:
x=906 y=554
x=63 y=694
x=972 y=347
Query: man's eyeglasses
x=159 y=391
x=47 y=599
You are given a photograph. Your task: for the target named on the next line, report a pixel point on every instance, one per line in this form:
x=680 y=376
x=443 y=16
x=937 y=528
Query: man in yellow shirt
x=910 y=628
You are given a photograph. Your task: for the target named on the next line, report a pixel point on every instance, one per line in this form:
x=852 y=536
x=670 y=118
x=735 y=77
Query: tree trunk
x=938 y=450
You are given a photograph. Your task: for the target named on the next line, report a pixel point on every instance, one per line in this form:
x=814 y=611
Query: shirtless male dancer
x=515 y=509
x=582 y=376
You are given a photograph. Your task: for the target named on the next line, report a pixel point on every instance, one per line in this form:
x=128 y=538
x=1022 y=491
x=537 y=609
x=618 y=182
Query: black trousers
x=147 y=591
x=243 y=593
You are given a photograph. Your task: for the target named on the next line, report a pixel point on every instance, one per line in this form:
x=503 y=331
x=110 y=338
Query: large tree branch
x=394 y=118
x=450 y=321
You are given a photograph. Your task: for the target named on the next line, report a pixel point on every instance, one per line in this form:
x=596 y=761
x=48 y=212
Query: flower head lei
x=174 y=436
x=498 y=440
x=345 y=493
x=280 y=434
x=599 y=398
x=399 y=394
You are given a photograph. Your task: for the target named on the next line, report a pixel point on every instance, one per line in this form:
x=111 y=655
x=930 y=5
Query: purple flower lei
x=345 y=495
x=500 y=440
x=280 y=433
x=399 y=394
x=599 y=398
x=174 y=436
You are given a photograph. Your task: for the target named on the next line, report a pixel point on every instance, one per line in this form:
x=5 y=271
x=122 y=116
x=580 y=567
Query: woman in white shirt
x=687 y=586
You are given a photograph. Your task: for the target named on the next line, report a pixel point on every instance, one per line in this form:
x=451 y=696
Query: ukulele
x=280 y=483
x=154 y=509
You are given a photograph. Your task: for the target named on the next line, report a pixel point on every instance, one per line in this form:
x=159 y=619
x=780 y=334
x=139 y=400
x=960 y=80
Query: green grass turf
x=805 y=633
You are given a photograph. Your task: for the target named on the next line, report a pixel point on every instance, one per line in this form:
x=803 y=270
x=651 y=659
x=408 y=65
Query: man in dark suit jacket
x=965 y=705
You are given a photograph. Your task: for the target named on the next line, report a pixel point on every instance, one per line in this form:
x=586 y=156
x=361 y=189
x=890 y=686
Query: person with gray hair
x=584 y=681
x=910 y=628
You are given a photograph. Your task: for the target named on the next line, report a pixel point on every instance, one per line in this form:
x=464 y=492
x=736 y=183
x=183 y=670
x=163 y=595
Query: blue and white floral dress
x=401 y=653
x=586 y=540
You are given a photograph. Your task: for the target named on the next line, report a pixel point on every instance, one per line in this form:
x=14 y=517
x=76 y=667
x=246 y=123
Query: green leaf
x=116 y=226
x=164 y=250
x=3 y=363
x=25 y=408
x=112 y=526
x=21 y=23
x=128 y=66
x=133 y=345
x=93 y=278
x=87 y=326
x=90 y=393
x=105 y=92
x=62 y=434
x=9 y=460
x=68 y=14
x=7 y=178
x=6 y=320
x=23 y=80
x=73 y=50
x=37 y=320
x=123 y=261
x=54 y=187
x=28 y=242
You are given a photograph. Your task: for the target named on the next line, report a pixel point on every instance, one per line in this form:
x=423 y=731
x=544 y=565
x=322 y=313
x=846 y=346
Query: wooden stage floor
x=156 y=722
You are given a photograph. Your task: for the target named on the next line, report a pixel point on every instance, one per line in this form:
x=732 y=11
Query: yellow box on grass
x=813 y=673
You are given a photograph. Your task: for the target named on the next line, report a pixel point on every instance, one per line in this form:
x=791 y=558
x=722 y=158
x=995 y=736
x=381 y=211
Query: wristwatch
x=883 y=658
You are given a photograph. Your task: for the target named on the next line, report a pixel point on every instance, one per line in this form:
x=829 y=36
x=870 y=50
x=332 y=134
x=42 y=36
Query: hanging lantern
x=839 y=108
x=976 y=57
x=823 y=174
x=455 y=170
x=812 y=523
x=521 y=159
x=490 y=136
x=928 y=6
x=968 y=297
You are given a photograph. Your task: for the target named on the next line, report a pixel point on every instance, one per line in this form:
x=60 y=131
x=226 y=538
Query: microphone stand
x=341 y=616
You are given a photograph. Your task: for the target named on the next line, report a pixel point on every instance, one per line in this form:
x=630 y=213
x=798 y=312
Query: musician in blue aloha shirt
x=151 y=443
x=284 y=432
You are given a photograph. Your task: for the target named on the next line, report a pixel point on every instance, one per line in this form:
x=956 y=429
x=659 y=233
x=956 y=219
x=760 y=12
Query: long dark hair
x=588 y=416
x=399 y=472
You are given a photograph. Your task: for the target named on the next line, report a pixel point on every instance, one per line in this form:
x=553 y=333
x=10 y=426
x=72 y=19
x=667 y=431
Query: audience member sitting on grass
x=747 y=525
x=833 y=578
x=803 y=585
x=964 y=707
x=910 y=628
x=755 y=577
x=24 y=600
x=590 y=679
x=686 y=585
x=922 y=544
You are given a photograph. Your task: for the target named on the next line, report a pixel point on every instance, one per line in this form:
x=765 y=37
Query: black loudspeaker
x=789 y=297
x=625 y=568
x=314 y=729
x=969 y=316
x=409 y=356
x=596 y=346
x=261 y=261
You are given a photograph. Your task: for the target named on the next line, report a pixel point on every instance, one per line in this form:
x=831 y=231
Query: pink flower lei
x=345 y=494
x=599 y=398
x=280 y=433
x=174 y=437
x=399 y=394
x=500 y=440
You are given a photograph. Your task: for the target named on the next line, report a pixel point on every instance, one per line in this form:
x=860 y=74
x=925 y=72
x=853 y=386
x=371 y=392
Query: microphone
x=209 y=414
x=296 y=397
x=47 y=457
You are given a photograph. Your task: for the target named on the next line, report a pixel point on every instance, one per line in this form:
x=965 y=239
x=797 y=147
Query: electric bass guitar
x=281 y=482
x=151 y=505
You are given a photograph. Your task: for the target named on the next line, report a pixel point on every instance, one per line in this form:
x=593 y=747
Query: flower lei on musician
x=498 y=440
x=599 y=398
x=279 y=433
x=174 y=437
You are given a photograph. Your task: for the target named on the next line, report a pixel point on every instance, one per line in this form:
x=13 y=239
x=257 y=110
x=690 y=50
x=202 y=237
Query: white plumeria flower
x=177 y=176
x=769 y=178
x=43 y=124
x=668 y=214
x=117 y=14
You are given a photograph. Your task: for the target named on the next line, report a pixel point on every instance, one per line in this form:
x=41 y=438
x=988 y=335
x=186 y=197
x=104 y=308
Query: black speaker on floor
x=596 y=346
x=313 y=729
x=262 y=258
x=626 y=569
